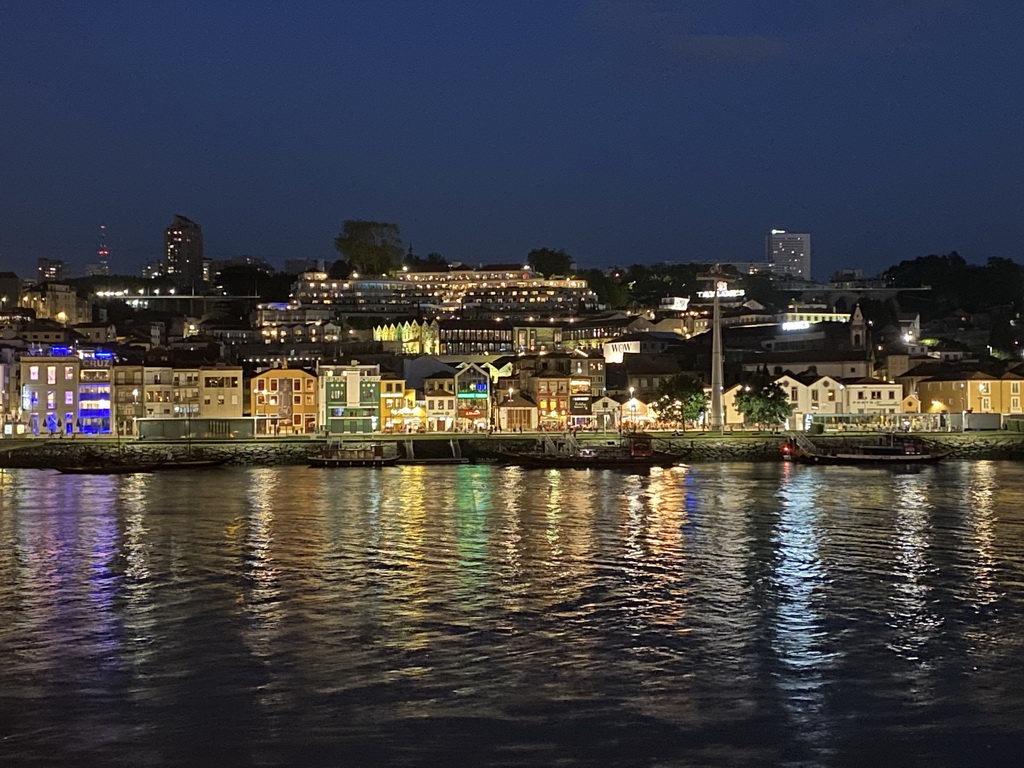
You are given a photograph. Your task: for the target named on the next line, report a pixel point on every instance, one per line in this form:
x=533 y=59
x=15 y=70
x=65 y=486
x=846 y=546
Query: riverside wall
x=50 y=452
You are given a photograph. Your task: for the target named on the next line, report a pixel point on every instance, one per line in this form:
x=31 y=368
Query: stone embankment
x=51 y=452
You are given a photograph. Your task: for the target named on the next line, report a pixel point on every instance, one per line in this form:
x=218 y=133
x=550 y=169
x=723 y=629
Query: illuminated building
x=65 y=392
x=788 y=253
x=128 y=397
x=440 y=402
x=473 y=397
x=50 y=269
x=183 y=253
x=398 y=410
x=494 y=290
x=285 y=401
x=55 y=301
x=349 y=398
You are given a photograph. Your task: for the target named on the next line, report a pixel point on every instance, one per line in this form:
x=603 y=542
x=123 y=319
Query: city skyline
x=622 y=132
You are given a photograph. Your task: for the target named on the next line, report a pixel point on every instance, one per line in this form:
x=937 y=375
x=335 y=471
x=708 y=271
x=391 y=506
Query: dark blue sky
x=621 y=131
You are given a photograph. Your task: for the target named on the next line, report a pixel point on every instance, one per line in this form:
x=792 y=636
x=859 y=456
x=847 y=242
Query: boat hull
x=327 y=462
x=598 y=462
x=869 y=461
x=125 y=469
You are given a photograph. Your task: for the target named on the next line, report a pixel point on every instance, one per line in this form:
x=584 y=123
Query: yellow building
x=398 y=410
x=284 y=401
x=971 y=392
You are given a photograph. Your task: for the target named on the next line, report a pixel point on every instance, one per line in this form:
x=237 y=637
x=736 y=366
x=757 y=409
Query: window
x=51 y=400
x=814 y=395
x=794 y=394
x=860 y=394
x=986 y=403
x=1015 y=404
x=51 y=374
x=297 y=399
x=69 y=372
x=69 y=398
x=892 y=394
x=33 y=373
x=1014 y=387
x=309 y=400
x=261 y=385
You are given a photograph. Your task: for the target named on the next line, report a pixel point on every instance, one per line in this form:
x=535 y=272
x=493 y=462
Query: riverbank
x=698 y=447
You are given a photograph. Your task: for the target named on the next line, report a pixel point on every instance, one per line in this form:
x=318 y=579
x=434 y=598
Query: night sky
x=624 y=132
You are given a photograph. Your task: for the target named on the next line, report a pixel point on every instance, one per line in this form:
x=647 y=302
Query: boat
x=174 y=464
x=342 y=454
x=634 y=451
x=889 y=450
x=107 y=468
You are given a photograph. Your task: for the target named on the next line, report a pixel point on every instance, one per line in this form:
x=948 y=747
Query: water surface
x=719 y=614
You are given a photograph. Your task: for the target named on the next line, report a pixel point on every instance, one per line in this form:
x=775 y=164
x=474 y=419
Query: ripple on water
x=726 y=614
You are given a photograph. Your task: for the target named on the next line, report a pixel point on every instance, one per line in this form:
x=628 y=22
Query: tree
x=549 y=262
x=373 y=247
x=681 y=399
x=610 y=292
x=763 y=402
x=432 y=262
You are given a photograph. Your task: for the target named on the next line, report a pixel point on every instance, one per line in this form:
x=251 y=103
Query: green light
x=472 y=395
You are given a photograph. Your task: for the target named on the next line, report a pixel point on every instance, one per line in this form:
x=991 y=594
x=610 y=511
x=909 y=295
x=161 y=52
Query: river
x=719 y=614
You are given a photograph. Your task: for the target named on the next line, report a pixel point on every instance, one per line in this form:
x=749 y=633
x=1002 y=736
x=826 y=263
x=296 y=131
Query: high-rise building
x=50 y=269
x=183 y=253
x=788 y=253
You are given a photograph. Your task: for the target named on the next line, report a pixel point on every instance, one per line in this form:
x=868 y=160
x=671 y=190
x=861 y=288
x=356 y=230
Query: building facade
x=350 y=398
x=788 y=253
x=183 y=253
x=285 y=401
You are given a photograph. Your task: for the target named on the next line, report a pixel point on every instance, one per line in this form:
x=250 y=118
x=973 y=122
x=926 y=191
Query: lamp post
x=135 y=410
x=632 y=410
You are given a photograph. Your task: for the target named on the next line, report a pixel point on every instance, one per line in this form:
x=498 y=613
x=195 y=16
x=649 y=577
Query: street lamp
x=632 y=410
x=135 y=409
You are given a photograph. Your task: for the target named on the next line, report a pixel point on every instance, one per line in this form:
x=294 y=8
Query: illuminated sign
x=796 y=325
x=723 y=293
x=472 y=395
x=579 y=404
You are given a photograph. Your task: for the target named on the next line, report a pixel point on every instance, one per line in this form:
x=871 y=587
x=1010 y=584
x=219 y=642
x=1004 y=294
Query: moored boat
x=889 y=450
x=342 y=454
x=105 y=469
x=174 y=464
x=634 y=451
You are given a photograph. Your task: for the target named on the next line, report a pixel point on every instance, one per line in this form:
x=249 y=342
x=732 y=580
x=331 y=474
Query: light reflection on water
x=727 y=614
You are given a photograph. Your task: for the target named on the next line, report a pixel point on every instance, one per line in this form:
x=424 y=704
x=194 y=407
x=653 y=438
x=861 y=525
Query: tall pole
x=717 y=417
x=717 y=421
